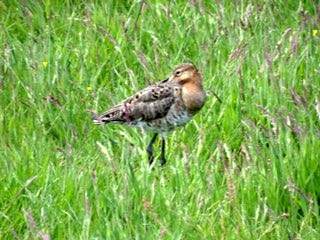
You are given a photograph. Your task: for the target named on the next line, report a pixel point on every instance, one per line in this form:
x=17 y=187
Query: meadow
x=245 y=168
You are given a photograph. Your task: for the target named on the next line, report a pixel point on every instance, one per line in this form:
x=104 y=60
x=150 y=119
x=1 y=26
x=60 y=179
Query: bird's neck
x=193 y=96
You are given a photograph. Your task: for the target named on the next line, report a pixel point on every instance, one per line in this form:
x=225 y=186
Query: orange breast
x=193 y=96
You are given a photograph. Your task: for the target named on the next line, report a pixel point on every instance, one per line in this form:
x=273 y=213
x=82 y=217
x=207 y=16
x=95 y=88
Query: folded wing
x=150 y=103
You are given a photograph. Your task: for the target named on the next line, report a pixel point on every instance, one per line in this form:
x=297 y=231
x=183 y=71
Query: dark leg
x=163 y=150
x=150 y=148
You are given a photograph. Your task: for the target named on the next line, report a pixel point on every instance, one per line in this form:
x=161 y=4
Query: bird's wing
x=150 y=103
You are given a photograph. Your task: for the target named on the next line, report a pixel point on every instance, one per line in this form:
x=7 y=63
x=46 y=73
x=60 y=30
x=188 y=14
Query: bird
x=161 y=107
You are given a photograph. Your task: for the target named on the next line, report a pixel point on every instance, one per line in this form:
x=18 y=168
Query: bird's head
x=186 y=73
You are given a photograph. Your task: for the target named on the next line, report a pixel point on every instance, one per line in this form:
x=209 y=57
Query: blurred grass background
x=247 y=168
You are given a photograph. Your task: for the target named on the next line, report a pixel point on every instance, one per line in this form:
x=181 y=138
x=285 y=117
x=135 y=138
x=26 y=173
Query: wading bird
x=161 y=107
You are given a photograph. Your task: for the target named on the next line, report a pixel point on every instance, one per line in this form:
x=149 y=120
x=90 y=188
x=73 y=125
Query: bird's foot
x=163 y=161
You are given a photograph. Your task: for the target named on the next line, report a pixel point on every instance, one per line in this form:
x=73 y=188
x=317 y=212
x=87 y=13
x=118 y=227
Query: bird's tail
x=115 y=115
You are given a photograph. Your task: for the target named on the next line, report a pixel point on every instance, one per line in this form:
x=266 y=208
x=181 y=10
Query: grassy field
x=246 y=168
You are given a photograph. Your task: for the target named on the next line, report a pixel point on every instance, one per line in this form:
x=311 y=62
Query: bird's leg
x=150 y=148
x=163 y=150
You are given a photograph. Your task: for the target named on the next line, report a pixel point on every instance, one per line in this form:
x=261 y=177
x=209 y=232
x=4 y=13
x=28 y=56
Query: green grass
x=246 y=168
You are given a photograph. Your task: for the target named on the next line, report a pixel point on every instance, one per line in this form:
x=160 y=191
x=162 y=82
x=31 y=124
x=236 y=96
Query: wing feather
x=150 y=103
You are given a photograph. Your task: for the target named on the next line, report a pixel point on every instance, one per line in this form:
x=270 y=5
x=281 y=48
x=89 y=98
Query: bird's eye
x=178 y=73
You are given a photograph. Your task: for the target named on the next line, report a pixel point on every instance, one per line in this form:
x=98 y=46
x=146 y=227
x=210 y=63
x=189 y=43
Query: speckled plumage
x=163 y=106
